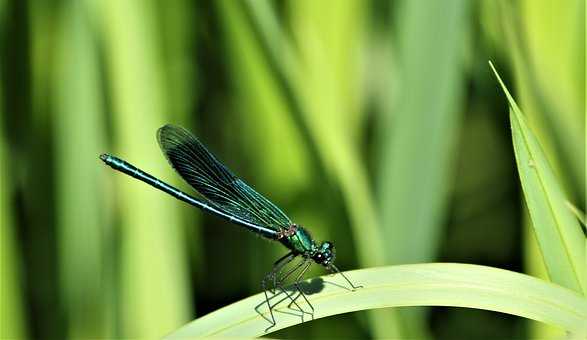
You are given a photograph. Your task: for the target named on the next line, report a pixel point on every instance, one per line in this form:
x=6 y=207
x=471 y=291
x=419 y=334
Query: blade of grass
x=31 y=110
x=544 y=45
x=154 y=285
x=419 y=134
x=11 y=303
x=553 y=52
x=433 y=284
x=79 y=136
x=12 y=322
x=41 y=16
x=538 y=37
x=534 y=265
x=559 y=235
x=580 y=215
x=178 y=38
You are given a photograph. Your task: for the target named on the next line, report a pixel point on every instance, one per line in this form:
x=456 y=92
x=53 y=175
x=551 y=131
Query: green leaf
x=559 y=235
x=432 y=284
x=76 y=87
x=154 y=294
x=577 y=212
x=12 y=321
x=415 y=173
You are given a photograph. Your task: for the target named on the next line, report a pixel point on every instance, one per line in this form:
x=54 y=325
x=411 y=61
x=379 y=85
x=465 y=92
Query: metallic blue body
x=131 y=170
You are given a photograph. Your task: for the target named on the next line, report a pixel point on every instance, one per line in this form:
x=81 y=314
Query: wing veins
x=213 y=180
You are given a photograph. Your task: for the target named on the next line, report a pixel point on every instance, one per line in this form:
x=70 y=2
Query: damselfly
x=227 y=196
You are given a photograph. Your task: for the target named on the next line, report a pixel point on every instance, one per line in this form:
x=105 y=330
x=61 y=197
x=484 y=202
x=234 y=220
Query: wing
x=213 y=180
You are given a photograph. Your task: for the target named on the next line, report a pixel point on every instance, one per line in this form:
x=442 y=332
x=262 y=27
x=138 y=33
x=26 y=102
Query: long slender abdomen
x=131 y=170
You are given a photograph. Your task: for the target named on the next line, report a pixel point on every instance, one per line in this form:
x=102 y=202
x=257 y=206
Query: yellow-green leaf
x=559 y=234
x=431 y=284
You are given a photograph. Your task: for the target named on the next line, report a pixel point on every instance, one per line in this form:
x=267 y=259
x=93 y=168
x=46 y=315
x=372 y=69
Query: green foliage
x=415 y=173
x=559 y=234
x=435 y=284
x=11 y=305
x=76 y=89
x=325 y=111
x=154 y=295
x=375 y=124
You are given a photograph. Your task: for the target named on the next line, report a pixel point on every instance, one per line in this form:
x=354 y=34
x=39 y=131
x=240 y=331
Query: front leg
x=333 y=269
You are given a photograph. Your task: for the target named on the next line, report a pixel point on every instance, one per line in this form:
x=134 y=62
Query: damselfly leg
x=334 y=270
x=304 y=264
x=271 y=276
x=278 y=283
x=307 y=263
x=276 y=270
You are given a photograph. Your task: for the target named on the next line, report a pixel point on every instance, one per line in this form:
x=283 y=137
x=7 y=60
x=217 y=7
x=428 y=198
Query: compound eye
x=327 y=246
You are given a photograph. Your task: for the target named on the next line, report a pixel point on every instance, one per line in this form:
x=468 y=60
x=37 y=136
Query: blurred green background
x=376 y=124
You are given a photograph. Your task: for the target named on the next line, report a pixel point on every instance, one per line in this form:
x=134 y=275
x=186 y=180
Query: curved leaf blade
x=432 y=284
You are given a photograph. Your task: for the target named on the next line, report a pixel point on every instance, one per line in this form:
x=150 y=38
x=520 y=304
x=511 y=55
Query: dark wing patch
x=213 y=180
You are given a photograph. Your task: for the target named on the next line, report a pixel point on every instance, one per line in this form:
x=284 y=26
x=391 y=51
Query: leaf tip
x=512 y=103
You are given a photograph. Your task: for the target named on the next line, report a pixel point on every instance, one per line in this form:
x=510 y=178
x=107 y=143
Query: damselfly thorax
x=300 y=242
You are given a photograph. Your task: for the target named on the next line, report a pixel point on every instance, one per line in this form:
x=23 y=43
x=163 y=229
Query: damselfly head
x=325 y=254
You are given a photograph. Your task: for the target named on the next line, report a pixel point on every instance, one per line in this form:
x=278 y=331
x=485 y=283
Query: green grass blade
x=580 y=215
x=553 y=52
x=534 y=266
x=418 y=143
x=11 y=303
x=12 y=322
x=419 y=134
x=434 y=284
x=559 y=235
x=79 y=136
x=541 y=43
x=547 y=52
x=178 y=38
x=154 y=289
